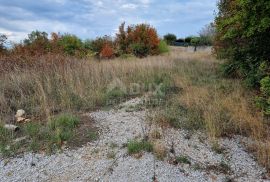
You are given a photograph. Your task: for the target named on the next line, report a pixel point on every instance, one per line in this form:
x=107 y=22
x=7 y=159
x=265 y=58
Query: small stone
x=20 y=113
x=11 y=127
x=20 y=119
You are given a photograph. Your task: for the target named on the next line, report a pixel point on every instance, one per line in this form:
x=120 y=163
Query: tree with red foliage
x=107 y=52
x=141 y=40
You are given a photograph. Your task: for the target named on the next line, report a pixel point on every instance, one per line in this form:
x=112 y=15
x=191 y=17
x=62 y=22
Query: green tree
x=36 y=36
x=170 y=38
x=70 y=44
x=195 y=41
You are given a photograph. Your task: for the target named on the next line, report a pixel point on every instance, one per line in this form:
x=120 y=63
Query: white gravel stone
x=91 y=163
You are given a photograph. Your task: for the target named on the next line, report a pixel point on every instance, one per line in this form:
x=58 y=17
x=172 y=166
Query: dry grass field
x=190 y=87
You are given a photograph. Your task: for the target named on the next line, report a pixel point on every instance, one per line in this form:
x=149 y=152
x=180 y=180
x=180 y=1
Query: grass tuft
x=64 y=121
x=182 y=159
x=139 y=146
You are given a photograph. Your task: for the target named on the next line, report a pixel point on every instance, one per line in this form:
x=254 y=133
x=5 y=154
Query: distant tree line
x=137 y=40
x=205 y=38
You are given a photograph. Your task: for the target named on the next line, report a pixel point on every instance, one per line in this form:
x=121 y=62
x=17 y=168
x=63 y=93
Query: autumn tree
x=140 y=40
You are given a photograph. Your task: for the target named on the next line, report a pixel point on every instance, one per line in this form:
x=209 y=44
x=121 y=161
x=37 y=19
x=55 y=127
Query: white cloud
x=129 y=6
x=91 y=18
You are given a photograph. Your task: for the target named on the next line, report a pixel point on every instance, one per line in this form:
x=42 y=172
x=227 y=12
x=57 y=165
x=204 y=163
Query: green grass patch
x=139 y=146
x=49 y=136
x=64 y=121
x=182 y=159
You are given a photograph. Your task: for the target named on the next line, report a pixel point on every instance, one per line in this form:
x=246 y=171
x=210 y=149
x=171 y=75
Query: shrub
x=139 y=50
x=170 y=38
x=243 y=38
x=70 y=43
x=99 y=44
x=264 y=100
x=37 y=43
x=141 y=40
x=163 y=47
x=107 y=51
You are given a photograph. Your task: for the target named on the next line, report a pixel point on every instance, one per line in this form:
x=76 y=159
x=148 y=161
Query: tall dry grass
x=225 y=106
x=74 y=85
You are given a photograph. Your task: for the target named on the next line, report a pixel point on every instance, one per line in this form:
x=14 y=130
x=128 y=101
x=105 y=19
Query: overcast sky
x=92 y=18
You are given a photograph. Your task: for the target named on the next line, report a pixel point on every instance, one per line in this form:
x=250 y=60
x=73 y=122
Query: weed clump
x=64 y=121
x=37 y=136
x=182 y=159
x=135 y=147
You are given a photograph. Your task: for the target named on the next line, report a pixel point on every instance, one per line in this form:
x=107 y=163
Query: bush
x=99 y=44
x=139 y=50
x=243 y=39
x=107 y=51
x=71 y=44
x=163 y=47
x=264 y=100
x=170 y=38
x=37 y=43
x=141 y=40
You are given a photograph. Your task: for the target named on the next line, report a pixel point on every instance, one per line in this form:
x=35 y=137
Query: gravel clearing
x=107 y=160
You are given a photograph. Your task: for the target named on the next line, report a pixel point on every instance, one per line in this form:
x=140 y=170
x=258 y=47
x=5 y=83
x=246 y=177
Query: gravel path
x=107 y=158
